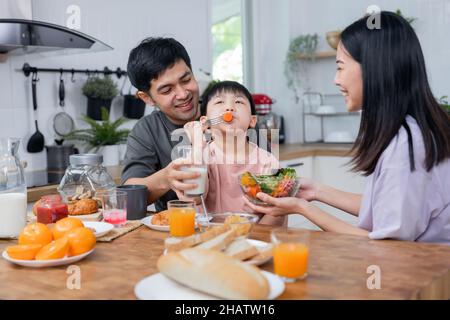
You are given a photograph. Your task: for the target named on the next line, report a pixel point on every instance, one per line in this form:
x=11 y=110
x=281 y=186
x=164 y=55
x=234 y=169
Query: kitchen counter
x=338 y=269
x=286 y=152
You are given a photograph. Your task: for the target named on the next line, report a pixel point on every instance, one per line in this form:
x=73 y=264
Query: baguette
x=220 y=242
x=176 y=244
x=241 y=249
x=214 y=273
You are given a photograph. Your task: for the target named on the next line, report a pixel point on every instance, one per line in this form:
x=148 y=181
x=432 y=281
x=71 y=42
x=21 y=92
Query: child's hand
x=194 y=130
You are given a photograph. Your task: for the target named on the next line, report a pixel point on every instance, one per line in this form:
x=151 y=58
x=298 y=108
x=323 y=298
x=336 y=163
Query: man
x=160 y=68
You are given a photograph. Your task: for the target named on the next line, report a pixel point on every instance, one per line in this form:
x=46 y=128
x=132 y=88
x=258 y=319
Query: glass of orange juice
x=181 y=218
x=290 y=254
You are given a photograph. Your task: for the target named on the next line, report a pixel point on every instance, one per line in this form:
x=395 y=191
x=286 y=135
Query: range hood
x=20 y=36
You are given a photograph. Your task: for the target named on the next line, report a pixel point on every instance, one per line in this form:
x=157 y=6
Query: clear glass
x=114 y=207
x=13 y=190
x=181 y=218
x=186 y=152
x=290 y=253
x=79 y=179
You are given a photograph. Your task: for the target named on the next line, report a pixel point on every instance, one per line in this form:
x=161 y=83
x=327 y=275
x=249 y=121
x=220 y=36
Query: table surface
x=338 y=269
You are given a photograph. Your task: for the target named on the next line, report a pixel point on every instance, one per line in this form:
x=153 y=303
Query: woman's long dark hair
x=395 y=85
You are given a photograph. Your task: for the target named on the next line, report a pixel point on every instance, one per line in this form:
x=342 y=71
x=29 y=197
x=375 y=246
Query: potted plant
x=103 y=137
x=443 y=101
x=409 y=19
x=100 y=92
x=296 y=70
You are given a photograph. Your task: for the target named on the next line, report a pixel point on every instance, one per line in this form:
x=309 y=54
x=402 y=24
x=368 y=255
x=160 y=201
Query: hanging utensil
x=63 y=123
x=37 y=141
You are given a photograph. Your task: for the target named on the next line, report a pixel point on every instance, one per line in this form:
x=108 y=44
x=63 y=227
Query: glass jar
x=51 y=209
x=13 y=190
x=85 y=175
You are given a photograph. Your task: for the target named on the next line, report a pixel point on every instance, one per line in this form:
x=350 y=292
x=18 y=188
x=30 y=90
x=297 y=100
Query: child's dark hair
x=151 y=58
x=226 y=86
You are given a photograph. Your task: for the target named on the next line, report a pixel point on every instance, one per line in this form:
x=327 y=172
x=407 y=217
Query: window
x=227 y=40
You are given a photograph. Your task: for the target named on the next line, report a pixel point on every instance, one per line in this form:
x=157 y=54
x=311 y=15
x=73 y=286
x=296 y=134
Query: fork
x=214 y=121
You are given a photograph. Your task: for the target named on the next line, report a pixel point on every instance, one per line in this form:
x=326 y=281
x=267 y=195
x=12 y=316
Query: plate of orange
x=39 y=246
x=46 y=263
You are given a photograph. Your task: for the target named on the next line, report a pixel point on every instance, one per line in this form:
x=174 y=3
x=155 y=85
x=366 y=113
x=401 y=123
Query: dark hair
x=395 y=84
x=226 y=86
x=151 y=58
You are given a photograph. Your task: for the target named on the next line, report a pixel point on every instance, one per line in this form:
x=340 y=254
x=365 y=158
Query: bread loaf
x=214 y=273
x=176 y=244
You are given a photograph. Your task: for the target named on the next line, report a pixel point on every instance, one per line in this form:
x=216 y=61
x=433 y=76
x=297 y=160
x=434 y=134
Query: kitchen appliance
x=268 y=120
x=21 y=34
x=58 y=156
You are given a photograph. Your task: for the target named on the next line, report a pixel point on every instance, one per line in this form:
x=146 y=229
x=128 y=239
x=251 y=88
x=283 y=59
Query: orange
x=81 y=240
x=54 y=250
x=36 y=233
x=24 y=251
x=64 y=225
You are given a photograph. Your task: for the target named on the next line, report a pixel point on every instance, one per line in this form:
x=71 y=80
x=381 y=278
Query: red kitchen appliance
x=268 y=119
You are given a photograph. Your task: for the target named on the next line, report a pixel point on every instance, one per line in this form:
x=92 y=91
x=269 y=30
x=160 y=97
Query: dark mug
x=136 y=200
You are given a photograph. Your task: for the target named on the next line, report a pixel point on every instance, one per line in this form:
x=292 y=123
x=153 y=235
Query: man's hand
x=175 y=177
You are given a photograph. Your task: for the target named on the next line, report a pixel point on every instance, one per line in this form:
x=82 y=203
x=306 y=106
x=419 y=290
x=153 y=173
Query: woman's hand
x=281 y=206
x=308 y=189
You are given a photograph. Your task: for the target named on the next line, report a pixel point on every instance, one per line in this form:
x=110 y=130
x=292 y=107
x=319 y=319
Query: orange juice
x=290 y=260
x=181 y=222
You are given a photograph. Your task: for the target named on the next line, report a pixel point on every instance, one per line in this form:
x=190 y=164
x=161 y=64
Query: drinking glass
x=181 y=218
x=114 y=204
x=290 y=254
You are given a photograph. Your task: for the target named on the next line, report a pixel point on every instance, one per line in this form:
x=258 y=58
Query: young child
x=230 y=153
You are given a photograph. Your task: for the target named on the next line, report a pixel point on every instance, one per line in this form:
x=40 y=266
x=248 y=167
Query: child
x=230 y=153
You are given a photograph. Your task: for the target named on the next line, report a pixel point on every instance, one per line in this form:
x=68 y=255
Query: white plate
x=101 y=228
x=148 y=222
x=46 y=263
x=159 y=287
x=97 y=216
x=262 y=245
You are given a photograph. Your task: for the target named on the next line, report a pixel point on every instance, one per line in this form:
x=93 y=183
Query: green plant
x=409 y=19
x=101 y=134
x=443 y=101
x=100 y=88
x=295 y=68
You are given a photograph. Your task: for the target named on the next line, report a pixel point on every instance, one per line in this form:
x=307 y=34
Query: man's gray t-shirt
x=149 y=149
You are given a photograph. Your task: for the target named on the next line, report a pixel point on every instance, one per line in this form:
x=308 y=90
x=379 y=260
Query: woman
x=403 y=144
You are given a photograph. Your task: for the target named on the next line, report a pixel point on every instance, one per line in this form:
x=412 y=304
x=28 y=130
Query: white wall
x=277 y=22
x=122 y=25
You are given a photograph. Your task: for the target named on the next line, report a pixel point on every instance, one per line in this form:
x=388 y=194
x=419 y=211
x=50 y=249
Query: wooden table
x=337 y=270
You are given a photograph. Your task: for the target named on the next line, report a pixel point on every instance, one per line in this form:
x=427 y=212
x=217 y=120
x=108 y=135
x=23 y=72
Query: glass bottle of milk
x=13 y=190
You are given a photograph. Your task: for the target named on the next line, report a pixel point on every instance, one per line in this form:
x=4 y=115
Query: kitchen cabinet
x=333 y=171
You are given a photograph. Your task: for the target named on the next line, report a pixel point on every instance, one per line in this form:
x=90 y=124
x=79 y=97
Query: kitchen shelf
x=335 y=114
x=318 y=55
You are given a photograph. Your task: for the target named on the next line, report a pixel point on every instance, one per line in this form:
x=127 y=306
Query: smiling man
x=160 y=68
